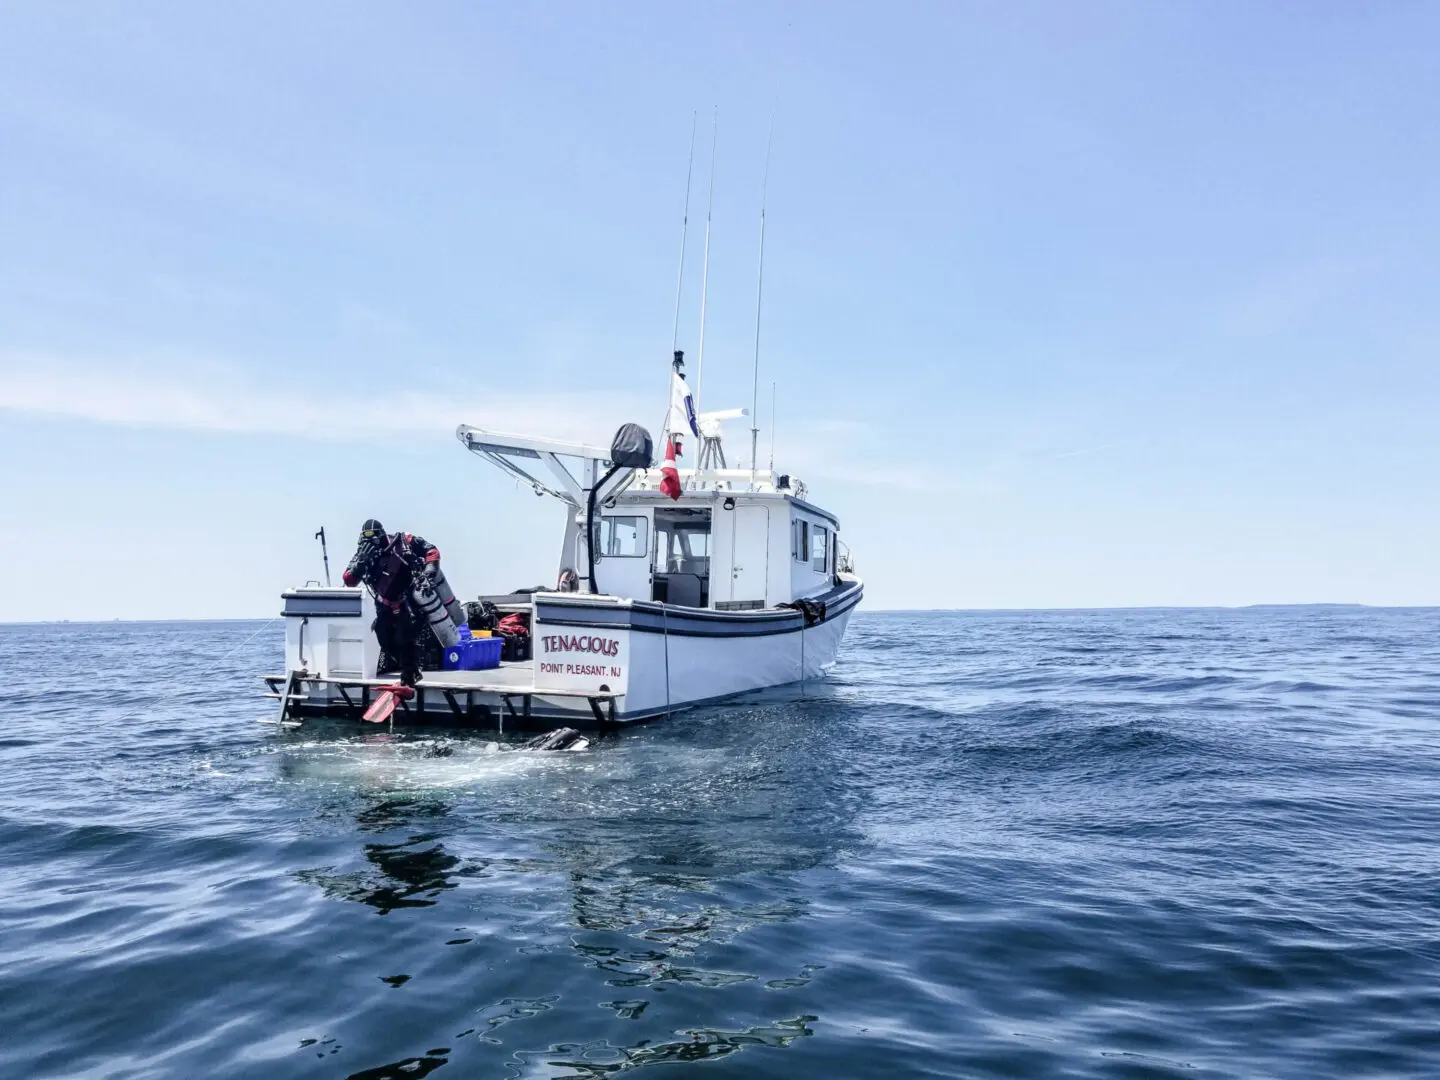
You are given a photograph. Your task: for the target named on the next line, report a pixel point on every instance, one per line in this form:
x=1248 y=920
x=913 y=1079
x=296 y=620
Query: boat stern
x=327 y=632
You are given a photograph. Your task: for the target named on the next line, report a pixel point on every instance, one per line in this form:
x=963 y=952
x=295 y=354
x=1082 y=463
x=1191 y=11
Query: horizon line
x=869 y=611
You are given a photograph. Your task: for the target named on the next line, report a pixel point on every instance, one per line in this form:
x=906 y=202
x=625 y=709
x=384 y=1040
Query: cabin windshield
x=623 y=536
x=682 y=557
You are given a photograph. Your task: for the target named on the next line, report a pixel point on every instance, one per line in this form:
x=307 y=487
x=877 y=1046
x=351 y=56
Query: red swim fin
x=386 y=700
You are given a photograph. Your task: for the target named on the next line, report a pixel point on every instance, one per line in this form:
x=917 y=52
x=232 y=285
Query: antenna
x=705 y=273
x=684 y=229
x=759 y=294
x=772 y=429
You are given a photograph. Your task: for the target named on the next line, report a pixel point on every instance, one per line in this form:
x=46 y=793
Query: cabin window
x=682 y=542
x=691 y=551
x=624 y=537
x=693 y=543
x=819 y=548
x=800 y=540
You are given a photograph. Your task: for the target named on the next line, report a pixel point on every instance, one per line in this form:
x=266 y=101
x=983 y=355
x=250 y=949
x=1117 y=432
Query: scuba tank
x=447 y=597
x=481 y=615
x=428 y=607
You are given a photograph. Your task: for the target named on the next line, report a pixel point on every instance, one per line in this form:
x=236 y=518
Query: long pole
x=705 y=272
x=772 y=432
x=684 y=229
x=759 y=296
x=324 y=554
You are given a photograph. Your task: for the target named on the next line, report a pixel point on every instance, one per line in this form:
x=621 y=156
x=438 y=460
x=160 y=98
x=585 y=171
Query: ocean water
x=1086 y=844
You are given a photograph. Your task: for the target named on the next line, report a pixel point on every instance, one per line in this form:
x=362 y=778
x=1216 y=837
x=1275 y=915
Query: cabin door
x=749 y=554
x=622 y=564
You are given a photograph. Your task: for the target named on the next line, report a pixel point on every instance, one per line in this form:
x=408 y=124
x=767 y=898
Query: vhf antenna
x=684 y=229
x=759 y=295
x=772 y=432
x=705 y=272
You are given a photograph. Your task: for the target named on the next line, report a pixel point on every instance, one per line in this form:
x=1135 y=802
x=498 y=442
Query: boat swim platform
x=495 y=698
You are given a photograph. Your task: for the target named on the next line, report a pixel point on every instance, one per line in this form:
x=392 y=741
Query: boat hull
x=680 y=657
x=602 y=661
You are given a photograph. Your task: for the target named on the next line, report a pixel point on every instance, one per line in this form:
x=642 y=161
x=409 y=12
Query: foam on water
x=391 y=763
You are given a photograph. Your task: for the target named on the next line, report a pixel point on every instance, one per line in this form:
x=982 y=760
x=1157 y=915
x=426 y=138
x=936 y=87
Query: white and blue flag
x=682 y=408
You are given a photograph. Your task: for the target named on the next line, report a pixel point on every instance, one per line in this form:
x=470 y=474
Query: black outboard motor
x=632 y=448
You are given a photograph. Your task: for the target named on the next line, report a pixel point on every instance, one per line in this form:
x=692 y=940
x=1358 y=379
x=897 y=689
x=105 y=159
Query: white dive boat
x=706 y=583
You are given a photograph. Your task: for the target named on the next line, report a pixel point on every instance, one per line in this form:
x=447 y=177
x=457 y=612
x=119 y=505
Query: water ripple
x=1141 y=844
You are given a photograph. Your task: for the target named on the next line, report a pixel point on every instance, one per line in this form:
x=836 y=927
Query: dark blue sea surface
x=1083 y=844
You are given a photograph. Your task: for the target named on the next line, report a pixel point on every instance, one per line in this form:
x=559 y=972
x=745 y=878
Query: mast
x=759 y=295
x=705 y=272
x=680 y=278
x=684 y=229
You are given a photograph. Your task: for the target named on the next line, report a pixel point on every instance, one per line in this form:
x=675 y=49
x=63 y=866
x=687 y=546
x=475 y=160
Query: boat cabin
x=709 y=549
x=735 y=539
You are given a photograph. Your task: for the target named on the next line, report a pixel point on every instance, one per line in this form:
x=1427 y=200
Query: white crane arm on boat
x=515 y=455
x=527 y=446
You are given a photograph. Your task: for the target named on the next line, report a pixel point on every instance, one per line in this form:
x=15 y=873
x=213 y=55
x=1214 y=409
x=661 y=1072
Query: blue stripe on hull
x=653 y=618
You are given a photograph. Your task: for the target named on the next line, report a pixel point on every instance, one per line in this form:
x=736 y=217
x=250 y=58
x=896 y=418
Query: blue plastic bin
x=475 y=654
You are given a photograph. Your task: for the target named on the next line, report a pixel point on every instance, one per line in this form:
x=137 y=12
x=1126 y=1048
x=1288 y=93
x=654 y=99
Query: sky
x=1066 y=305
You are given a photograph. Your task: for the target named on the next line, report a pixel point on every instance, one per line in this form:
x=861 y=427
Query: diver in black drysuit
x=390 y=567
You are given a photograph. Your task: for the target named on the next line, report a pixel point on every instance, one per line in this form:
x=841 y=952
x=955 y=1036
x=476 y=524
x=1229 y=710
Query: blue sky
x=1069 y=304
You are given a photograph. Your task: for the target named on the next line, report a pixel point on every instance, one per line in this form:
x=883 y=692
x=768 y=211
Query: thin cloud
x=219 y=399
x=223 y=400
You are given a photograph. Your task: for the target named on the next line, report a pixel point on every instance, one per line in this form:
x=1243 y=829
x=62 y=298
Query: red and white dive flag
x=669 y=475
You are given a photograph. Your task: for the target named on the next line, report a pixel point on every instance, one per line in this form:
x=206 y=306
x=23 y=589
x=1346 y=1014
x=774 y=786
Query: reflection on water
x=595 y=1061
x=406 y=1069
x=603 y=1059
x=644 y=861
x=411 y=873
